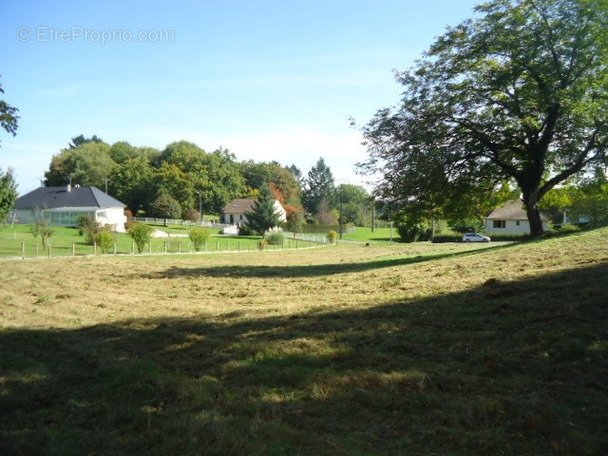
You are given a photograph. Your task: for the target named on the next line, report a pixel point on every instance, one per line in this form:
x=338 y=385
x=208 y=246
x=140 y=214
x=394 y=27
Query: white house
x=511 y=219
x=234 y=212
x=62 y=206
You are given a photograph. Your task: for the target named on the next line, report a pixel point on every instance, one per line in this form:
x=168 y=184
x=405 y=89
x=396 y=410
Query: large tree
x=264 y=214
x=320 y=189
x=88 y=164
x=8 y=116
x=518 y=93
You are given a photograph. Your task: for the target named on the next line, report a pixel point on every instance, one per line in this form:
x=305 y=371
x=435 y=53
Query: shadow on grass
x=508 y=368
x=315 y=270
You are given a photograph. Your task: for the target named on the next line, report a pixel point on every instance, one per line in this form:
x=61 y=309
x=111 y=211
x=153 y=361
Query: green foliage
x=40 y=228
x=89 y=228
x=263 y=217
x=275 y=238
x=413 y=230
x=8 y=193
x=165 y=206
x=511 y=95
x=319 y=186
x=141 y=235
x=198 y=236
x=331 y=236
x=105 y=241
x=8 y=116
x=88 y=164
x=295 y=219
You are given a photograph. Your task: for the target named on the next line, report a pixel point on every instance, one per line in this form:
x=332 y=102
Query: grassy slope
x=402 y=349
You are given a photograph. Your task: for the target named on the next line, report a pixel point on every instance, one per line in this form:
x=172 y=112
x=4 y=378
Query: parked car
x=475 y=237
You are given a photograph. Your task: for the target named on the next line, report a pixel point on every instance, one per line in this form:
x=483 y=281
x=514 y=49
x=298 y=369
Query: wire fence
x=25 y=250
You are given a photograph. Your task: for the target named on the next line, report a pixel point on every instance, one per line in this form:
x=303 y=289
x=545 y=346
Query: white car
x=475 y=237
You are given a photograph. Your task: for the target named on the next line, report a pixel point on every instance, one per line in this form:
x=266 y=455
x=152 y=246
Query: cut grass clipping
x=403 y=349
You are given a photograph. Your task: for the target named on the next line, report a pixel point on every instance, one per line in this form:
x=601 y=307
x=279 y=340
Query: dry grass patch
x=399 y=349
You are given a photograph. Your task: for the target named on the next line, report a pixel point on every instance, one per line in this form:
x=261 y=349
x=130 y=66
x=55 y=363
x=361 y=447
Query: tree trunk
x=534 y=218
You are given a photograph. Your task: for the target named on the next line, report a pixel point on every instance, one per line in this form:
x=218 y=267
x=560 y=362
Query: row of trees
x=184 y=180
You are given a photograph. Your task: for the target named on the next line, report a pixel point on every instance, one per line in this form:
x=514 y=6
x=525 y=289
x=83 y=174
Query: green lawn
x=18 y=241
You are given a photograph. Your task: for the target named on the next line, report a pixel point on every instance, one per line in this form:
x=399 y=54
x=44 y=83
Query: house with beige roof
x=511 y=218
x=235 y=210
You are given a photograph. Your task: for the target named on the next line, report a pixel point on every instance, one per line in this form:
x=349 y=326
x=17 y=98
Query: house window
x=517 y=223
x=500 y=223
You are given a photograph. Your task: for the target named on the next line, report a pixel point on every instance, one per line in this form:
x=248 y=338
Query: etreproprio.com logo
x=45 y=34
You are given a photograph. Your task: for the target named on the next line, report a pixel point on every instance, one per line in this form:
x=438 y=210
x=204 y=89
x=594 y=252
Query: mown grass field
x=343 y=350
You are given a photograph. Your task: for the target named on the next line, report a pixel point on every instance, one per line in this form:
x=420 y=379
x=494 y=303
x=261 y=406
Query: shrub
x=275 y=238
x=332 y=236
x=89 y=228
x=414 y=231
x=567 y=228
x=438 y=238
x=245 y=230
x=262 y=244
x=41 y=229
x=105 y=241
x=198 y=236
x=141 y=235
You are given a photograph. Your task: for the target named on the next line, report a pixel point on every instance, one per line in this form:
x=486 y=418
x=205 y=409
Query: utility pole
x=373 y=212
x=341 y=207
x=200 y=207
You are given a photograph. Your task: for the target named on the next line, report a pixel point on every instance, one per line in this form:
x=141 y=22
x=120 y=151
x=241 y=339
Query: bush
x=275 y=238
x=105 y=241
x=89 y=228
x=332 y=236
x=439 y=238
x=262 y=244
x=245 y=230
x=198 y=236
x=141 y=235
x=567 y=228
x=414 y=231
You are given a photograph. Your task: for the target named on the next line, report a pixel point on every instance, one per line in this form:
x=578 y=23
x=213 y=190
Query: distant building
x=234 y=212
x=62 y=206
x=511 y=218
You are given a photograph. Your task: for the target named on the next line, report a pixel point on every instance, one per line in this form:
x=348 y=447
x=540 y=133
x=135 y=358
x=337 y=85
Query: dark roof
x=57 y=197
x=239 y=206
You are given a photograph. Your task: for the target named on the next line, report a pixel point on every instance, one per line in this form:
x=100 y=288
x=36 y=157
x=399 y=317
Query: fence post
x=150 y=248
x=49 y=248
x=115 y=249
x=179 y=247
x=165 y=247
x=132 y=247
x=94 y=248
x=23 y=250
x=73 y=249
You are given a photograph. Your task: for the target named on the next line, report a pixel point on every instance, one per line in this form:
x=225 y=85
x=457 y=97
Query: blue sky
x=268 y=80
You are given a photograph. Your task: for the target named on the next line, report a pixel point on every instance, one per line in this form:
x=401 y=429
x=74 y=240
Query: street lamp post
x=341 y=207
x=200 y=207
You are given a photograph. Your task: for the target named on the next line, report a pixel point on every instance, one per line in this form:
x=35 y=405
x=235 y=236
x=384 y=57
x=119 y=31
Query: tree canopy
x=8 y=116
x=263 y=216
x=518 y=93
x=8 y=193
x=319 y=191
